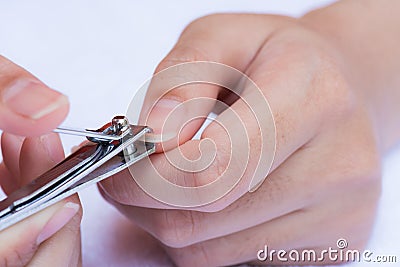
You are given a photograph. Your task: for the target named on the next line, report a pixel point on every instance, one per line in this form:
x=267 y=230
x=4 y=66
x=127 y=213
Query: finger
x=304 y=230
x=287 y=189
x=28 y=106
x=227 y=156
x=7 y=181
x=242 y=246
x=11 y=148
x=63 y=248
x=39 y=154
x=278 y=195
x=20 y=241
x=205 y=39
x=294 y=231
x=200 y=165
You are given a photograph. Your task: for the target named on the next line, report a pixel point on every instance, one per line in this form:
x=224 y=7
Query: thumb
x=19 y=243
x=28 y=107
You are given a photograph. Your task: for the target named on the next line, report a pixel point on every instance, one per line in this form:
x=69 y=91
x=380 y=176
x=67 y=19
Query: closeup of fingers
x=227 y=154
x=123 y=187
x=192 y=164
x=278 y=195
x=194 y=46
x=285 y=98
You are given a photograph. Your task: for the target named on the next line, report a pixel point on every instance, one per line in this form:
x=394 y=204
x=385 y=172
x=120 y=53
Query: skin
x=334 y=115
x=325 y=181
x=24 y=158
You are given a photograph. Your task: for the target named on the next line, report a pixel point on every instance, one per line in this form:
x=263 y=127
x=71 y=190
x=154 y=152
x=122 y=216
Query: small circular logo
x=341 y=243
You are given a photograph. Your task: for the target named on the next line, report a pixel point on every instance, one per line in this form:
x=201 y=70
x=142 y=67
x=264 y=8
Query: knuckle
x=211 y=163
x=214 y=171
x=339 y=99
x=183 y=52
x=214 y=19
x=187 y=48
x=177 y=229
x=329 y=89
x=317 y=69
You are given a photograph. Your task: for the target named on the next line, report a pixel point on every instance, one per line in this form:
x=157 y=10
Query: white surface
x=98 y=53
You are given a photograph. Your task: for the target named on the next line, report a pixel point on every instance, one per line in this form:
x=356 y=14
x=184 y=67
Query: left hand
x=325 y=181
x=28 y=110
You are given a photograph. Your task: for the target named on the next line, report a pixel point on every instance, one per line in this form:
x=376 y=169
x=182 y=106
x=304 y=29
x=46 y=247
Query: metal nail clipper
x=112 y=148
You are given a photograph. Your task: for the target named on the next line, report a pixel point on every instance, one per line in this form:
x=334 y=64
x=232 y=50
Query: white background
x=98 y=53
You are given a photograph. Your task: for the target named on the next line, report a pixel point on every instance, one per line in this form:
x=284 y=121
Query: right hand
x=30 y=108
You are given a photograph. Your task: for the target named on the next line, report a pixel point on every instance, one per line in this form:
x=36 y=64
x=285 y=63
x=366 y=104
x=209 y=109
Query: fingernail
x=159 y=118
x=58 y=221
x=157 y=138
x=32 y=99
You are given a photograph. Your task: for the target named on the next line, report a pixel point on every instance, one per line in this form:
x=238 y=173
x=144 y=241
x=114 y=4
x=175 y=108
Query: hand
x=324 y=183
x=29 y=108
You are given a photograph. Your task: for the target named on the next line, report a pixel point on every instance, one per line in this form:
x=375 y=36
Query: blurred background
x=99 y=53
